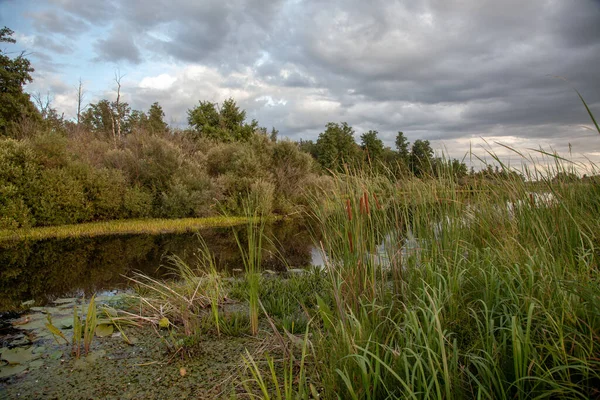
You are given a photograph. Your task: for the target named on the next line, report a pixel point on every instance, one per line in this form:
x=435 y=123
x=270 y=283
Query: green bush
x=50 y=150
x=59 y=198
x=137 y=203
x=105 y=191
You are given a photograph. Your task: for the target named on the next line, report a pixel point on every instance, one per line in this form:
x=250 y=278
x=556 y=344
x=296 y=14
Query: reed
x=250 y=246
x=438 y=291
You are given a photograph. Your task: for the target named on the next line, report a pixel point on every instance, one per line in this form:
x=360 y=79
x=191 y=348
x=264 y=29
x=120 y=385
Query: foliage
x=372 y=146
x=225 y=123
x=15 y=104
x=421 y=158
x=336 y=148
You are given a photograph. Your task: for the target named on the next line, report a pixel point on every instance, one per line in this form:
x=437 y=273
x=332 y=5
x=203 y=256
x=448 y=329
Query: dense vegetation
x=432 y=288
x=113 y=162
x=429 y=291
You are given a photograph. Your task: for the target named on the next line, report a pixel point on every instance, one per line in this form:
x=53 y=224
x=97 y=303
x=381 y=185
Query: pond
x=40 y=271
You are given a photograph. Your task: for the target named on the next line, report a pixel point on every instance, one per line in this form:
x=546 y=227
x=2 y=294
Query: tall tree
x=336 y=147
x=15 y=104
x=225 y=123
x=156 y=123
x=101 y=118
x=373 y=148
x=421 y=158
x=402 y=146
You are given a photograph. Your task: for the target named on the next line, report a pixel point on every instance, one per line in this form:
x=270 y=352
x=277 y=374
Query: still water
x=48 y=269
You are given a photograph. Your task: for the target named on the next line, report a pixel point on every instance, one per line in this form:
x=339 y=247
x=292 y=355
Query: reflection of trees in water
x=47 y=269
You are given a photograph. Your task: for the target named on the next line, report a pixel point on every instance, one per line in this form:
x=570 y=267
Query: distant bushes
x=54 y=178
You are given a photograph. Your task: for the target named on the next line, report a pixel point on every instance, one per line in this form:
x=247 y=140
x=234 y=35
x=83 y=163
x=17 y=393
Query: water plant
x=250 y=247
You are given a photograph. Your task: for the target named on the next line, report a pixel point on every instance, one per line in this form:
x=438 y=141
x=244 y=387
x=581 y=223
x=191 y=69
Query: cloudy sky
x=455 y=72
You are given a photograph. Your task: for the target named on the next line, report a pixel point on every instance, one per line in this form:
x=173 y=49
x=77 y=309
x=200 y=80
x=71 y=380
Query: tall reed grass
x=441 y=291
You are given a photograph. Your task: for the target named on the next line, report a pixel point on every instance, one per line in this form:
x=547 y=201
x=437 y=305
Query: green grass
x=121 y=227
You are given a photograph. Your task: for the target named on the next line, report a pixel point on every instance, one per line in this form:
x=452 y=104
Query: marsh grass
x=120 y=227
x=439 y=291
x=250 y=247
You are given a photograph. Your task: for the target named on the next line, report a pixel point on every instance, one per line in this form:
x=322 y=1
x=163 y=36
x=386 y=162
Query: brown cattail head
x=349 y=209
x=366 y=197
x=362 y=206
x=376 y=202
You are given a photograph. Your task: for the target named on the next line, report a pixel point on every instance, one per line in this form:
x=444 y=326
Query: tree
x=224 y=124
x=15 y=104
x=137 y=120
x=336 y=147
x=402 y=147
x=421 y=158
x=373 y=148
x=310 y=147
x=98 y=118
x=273 y=135
x=118 y=111
x=155 y=119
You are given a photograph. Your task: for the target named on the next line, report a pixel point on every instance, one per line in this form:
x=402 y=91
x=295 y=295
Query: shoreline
x=119 y=227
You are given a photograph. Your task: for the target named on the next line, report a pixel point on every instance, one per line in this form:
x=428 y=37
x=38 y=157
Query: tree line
x=117 y=162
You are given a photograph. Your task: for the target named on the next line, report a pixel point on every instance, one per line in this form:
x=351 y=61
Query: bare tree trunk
x=118 y=77
x=114 y=134
x=80 y=95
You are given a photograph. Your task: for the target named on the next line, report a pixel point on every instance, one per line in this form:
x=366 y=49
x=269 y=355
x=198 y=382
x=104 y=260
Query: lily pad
x=104 y=330
x=64 y=301
x=65 y=322
x=31 y=323
x=36 y=364
x=19 y=355
x=9 y=370
x=28 y=303
x=56 y=355
x=46 y=310
x=21 y=341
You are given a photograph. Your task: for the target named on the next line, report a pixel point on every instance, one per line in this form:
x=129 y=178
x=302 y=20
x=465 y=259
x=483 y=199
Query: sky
x=463 y=74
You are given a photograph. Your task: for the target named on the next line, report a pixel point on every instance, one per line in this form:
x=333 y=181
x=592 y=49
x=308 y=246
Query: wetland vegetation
x=435 y=283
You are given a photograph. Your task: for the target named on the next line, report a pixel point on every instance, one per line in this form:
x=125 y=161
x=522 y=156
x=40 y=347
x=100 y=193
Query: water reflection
x=47 y=269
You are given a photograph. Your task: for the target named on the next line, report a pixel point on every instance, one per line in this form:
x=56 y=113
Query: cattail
x=349 y=209
x=376 y=202
x=366 y=202
x=362 y=206
x=350 y=242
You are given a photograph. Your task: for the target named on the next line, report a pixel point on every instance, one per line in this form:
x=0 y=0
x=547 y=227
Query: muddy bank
x=145 y=370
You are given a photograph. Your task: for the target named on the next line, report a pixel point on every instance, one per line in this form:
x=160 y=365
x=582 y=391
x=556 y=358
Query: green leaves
x=225 y=123
x=14 y=74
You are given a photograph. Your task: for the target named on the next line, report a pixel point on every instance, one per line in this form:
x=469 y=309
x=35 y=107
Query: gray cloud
x=93 y=11
x=50 y=21
x=118 y=46
x=443 y=70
